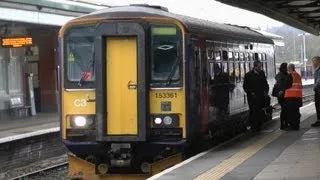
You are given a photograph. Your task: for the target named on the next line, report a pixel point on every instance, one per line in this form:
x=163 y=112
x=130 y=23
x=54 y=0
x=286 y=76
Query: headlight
x=167 y=120
x=82 y=121
x=157 y=120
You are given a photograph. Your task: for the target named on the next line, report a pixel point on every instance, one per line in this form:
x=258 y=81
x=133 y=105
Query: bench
x=17 y=107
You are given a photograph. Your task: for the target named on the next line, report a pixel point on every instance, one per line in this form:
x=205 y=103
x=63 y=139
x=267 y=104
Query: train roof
x=191 y=24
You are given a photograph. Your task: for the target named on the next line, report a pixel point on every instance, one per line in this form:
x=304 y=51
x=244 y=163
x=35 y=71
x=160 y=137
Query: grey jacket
x=317 y=81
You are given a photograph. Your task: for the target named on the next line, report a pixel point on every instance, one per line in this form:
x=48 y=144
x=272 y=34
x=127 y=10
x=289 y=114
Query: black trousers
x=292 y=112
x=317 y=104
x=283 y=122
x=256 y=116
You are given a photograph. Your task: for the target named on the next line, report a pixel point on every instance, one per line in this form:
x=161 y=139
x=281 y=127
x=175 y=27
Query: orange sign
x=16 y=42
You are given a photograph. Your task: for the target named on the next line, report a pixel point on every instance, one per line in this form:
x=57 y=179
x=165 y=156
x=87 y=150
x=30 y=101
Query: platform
x=12 y=129
x=272 y=154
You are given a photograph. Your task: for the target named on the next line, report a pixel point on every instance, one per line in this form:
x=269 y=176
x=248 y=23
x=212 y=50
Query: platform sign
x=16 y=42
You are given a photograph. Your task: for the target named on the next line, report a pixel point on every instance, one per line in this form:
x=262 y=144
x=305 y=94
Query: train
x=139 y=83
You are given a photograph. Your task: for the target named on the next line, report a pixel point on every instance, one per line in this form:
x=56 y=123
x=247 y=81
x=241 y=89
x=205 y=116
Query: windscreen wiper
x=173 y=71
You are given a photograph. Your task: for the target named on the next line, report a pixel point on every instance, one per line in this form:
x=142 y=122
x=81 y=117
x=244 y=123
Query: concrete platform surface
x=17 y=127
x=272 y=154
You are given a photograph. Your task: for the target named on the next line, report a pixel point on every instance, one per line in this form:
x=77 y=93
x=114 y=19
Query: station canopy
x=301 y=14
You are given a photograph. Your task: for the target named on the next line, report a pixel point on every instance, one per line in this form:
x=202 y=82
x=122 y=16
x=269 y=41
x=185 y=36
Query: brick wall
x=26 y=151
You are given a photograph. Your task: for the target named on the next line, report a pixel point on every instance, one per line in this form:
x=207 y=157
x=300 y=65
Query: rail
x=40 y=171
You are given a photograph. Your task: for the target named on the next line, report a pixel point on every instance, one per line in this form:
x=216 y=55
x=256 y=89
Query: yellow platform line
x=234 y=161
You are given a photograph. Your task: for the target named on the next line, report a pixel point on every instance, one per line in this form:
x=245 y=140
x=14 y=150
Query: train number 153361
x=166 y=95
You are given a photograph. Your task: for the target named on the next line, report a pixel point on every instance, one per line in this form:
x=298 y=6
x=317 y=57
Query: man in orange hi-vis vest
x=293 y=99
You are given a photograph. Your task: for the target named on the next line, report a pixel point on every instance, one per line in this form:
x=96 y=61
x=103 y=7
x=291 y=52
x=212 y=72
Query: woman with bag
x=283 y=82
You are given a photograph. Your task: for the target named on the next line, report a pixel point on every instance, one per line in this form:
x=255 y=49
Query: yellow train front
x=139 y=84
x=116 y=110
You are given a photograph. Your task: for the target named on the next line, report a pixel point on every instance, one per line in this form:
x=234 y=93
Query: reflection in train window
x=247 y=67
x=210 y=54
x=225 y=55
x=225 y=67
x=236 y=56
x=246 y=55
x=230 y=55
x=218 y=55
x=265 y=68
x=232 y=72
x=237 y=72
x=259 y=56
x=251 y=57
x=241 y=56
x=242 y=71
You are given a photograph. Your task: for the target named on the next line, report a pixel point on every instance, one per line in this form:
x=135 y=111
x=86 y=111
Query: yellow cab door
x=121 y=94
x=121 y=58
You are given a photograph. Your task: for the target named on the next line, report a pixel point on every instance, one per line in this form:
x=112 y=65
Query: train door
x=120 y=81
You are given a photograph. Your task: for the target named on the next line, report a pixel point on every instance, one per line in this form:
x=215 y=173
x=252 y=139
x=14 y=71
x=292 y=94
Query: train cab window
x=166 y=56
x=79 y=58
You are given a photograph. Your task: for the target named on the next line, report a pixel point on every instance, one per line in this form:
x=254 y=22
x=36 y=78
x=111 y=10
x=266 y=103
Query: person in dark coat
x=283 y=82
x=256 y=86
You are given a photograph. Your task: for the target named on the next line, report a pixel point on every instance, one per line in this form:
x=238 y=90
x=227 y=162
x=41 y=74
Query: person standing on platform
x=256 y=86
x=283 y=82
x=316 y=89
x=293 y=99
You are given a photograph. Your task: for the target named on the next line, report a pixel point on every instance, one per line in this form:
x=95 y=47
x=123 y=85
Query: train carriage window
x=237 y=71
x=232 y=72
x=265 y=68
x=210 y=54
x=262 y=57
x=246 y=57
x=259 y=57
x=256 y=56
x=242 y=71
x=236 y=56
x=251 y=57
x=241 y=56
x=230 y=56
x=225 y=67
x=225 y=55
x=166 y=55
x=247 y=68
x=217 y=55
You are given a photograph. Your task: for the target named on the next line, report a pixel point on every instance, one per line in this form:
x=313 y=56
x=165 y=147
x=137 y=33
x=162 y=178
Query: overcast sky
x=208 y=10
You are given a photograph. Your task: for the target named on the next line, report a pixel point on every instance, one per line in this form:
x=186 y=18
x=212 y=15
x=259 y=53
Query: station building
x=28 y=36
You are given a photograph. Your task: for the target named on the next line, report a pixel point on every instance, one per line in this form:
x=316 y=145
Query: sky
x=207 y=9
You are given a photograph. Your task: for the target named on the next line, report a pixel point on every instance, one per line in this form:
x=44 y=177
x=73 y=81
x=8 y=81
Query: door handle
x=132 y=85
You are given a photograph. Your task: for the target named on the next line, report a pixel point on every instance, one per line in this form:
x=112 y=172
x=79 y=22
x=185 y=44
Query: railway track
x=43 y=172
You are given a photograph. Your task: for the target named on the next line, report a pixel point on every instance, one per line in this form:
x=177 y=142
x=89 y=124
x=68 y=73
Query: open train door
x=121 y=95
